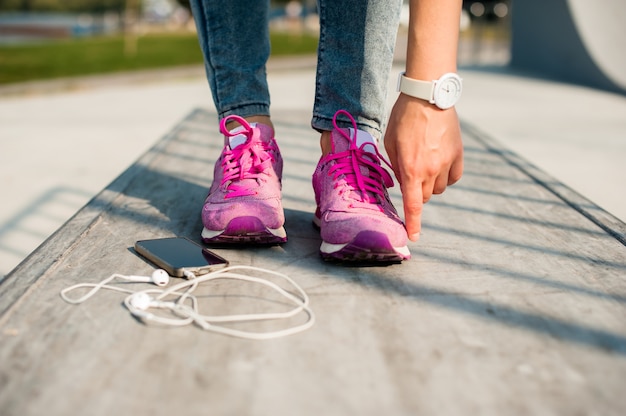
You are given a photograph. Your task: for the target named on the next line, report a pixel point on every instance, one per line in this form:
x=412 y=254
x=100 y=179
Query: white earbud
x=159 y=277
x=138 y=304
x=140 y=301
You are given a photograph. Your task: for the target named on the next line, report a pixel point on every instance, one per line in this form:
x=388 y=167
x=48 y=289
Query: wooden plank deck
x=514 y=302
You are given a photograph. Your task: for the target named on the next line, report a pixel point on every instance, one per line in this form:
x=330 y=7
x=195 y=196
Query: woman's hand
x=425 y=149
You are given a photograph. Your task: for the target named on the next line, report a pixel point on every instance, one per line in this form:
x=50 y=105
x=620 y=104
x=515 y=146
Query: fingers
x=413 y=202
x=416 y=193
x=456 y=170
x=447 y=177
x=440 y=184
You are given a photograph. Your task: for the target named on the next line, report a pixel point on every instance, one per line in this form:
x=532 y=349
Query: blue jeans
x=355 y=54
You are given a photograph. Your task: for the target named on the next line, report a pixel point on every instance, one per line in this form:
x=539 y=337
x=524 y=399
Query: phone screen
x=177 y=253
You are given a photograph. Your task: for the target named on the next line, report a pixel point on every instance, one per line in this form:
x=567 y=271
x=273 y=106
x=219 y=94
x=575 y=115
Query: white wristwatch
x=443 y=92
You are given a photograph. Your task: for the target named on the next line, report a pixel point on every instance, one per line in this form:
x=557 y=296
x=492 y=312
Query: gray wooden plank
x=513 y=303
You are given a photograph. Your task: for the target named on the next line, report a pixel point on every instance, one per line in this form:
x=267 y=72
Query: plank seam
x=610 y=224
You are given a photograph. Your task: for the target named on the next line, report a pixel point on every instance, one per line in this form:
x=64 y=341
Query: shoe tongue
x=239 y=136
x=363 y=138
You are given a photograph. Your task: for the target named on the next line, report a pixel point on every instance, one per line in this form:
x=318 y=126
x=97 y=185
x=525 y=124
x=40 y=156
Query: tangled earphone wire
x=179 y=300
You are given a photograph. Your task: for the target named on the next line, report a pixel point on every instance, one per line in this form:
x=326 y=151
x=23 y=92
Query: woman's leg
x=355 y=54
x=234 y=38
x=356 y=217
x=244 y=201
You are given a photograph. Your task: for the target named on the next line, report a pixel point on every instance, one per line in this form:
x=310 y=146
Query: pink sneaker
x=356 y=218
x=244 y=202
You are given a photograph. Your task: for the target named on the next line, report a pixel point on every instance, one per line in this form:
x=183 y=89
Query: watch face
x=447 y=91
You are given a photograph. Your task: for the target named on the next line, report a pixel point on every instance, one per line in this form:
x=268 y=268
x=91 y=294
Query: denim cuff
x=247 y=110
x=321 y=124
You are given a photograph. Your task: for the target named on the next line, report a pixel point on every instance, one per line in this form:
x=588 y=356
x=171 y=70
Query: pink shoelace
x=249 y=160
x=348 y=165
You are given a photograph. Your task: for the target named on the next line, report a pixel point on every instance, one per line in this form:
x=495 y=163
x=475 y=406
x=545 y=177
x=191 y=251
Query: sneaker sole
x=367 y=246
x=244 y=230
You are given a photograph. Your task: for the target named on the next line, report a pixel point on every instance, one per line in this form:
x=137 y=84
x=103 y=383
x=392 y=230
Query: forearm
x=433 y=38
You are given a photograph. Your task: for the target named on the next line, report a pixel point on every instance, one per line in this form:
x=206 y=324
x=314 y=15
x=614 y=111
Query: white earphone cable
x=95 y=288
x=186 y=306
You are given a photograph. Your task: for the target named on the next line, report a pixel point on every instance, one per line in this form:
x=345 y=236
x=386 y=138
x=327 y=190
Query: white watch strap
x=416 y=88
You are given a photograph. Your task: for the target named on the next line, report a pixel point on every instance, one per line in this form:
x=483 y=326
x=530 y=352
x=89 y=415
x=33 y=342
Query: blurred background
x=44 y=39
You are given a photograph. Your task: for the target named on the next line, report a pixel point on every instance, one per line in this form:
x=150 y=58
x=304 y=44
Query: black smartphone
x=174 y=254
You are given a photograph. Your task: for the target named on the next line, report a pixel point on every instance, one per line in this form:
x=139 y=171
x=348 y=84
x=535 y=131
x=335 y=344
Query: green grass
x=100 y=55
